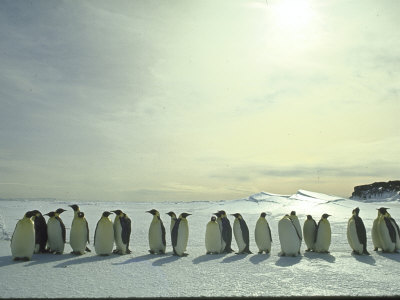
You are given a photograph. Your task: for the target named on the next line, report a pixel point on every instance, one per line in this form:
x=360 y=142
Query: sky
x=197 y=100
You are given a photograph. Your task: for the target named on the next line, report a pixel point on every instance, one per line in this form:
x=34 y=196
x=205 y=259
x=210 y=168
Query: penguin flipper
x=361 y=232
x=62 y=228
x=269 y=230
x=174 y=234
x=95 y=231
x=126 y=230
x=245 y=231
x=163 y=233
x=87 y=228
x=392 y=231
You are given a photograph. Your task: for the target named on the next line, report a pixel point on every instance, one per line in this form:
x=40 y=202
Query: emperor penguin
x=323 y=235
x=241 y=232
x=262 y=234
x=356 y=233
x=288 y=237
x=157 y=242
x=180 y=235
x=173 y=220
x=55 y=232
x=104 y=235
x=397 y=230
x=40 y=232
x=79 y=234
x=76 y=209
x=213 y=237
x=226 y=231
x=376 y=240
x=309 y=232
x=23 y=238
x=386 y=231
x=122 y=232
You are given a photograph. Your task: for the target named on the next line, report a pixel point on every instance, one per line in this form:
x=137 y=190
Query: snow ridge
x=3 y=233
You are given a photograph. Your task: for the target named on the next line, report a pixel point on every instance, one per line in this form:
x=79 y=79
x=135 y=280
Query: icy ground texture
x=143 y=275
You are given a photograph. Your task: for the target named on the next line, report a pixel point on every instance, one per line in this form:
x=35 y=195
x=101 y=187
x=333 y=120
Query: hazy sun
x=292 y=14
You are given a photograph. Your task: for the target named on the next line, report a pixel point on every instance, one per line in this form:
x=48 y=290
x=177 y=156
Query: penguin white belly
x=237 y=231
x=290 y=242
x=155 y=237
x=323 y=237
x=262 y=236
x=183 y=235
x=213 y=238
x=104 y=241
x=118 y=235
x=55 y=239
x=78 y=236
x=384 y=237
x=23 y=239
x=352 y=237
x=375 y=235
x=309 y=234
x=223 y=243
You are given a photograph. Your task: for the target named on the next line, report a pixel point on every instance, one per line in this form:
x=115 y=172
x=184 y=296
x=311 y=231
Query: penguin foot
x=366 y=252
x=282 y=254
x=308 y=250
x=208 y=252
x=58 y=252
x=116 y=251
x=25 y=259
x=261 y=252
x=16 y=258
x=128 y=251
x=151 y=252
x=376 y=249
x=88 y=250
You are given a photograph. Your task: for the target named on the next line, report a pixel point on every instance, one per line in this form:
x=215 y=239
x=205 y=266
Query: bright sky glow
x=209 y=100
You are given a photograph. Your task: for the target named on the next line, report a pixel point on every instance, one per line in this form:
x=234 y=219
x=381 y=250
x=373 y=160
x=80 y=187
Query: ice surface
x=143 y=275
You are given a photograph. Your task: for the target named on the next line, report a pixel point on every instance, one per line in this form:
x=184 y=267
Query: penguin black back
x=245 y=233
x=126 y=229
x=390 y=227
x=40 y=231
x=360 y=228
x=174 y=233
x=162 y=232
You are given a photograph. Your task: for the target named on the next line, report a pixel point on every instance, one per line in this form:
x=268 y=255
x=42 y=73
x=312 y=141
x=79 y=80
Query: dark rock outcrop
x=377 y=190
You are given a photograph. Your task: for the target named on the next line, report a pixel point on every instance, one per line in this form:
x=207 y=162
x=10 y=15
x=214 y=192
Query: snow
x=143 y=275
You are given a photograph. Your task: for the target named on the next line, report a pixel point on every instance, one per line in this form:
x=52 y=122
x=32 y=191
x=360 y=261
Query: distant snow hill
x=383 y=191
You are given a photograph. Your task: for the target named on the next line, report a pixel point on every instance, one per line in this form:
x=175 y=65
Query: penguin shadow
x=233 y=258
x=166 y=260
x=287 y=261
x=366 y=259
x=48 y=258
x=207 y=257
x=84 y=259
x=392 y=256
x=324 y=256
x=258 y=258
x=8 y=260
x=137 y=259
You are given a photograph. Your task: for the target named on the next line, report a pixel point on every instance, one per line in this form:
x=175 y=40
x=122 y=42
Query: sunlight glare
x=292 y=14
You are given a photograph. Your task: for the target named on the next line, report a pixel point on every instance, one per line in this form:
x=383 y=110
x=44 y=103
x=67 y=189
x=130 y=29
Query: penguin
x=122 y=232
x=213 y=237
x=226 y=231
x=386 y=231
x=173 y=220
x=397 y=229
x=323 y=235
x=79 y=234
x=104 y=235
x=241 y=232
x=180 y=235
x=288 y=237
x=262 y=234
x=356 y=233
x=55 y=232
x=23 y=238
x=309 y=228
x=40 y=232
x=157 y=242
x=376 y=240
x=76 y=209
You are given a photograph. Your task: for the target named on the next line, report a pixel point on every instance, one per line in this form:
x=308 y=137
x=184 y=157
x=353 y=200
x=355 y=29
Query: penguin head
x=36 y=213
x=81 y=214
x=292 y=213
x=218 y=214
x=51 y=214
x=106 y=214
x=356 y=211
x=263 y=214
x=171 y=214
x=60 y=211
x=237 y=215
x=118 y=212
x=383 y=210
x=154 y=212
x=29 y=214
x=309 y=217
x=213 y=219
x=184 y=215
x=74 y=207
x=325 y=216
x=222 y=213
